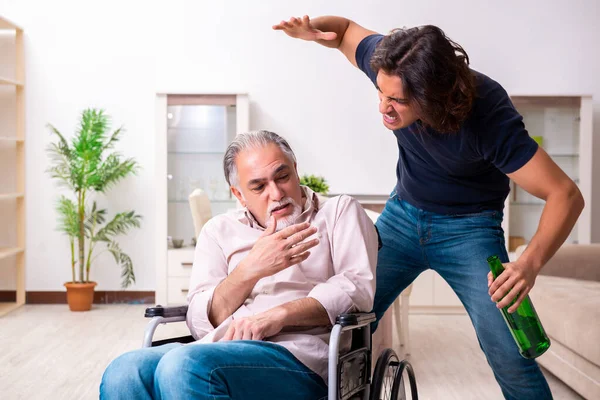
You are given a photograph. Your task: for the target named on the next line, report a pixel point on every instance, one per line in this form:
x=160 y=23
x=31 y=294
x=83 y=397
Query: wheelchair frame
x=343 y=383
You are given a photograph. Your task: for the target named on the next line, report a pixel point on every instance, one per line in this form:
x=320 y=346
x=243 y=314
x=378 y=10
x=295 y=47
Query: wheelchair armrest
x=166 y=312
x=164 y=315
x=355 y=320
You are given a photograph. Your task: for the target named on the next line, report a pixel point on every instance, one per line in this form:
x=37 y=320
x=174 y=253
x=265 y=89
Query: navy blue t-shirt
x=462 y=172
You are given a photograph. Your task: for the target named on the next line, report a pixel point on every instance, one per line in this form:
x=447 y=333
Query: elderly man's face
x=269 y=185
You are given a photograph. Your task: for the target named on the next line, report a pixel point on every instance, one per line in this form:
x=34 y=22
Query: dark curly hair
x=434 y=71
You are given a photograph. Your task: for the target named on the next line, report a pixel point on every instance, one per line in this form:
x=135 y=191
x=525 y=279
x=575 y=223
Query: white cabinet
x=422 y=291
x=197 y=137
x=193 y=132
x=562 y=125
x=443 y=295
x=431 y=294
x=179 y=270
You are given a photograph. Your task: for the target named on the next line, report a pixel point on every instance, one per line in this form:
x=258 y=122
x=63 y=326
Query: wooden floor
x=48 y=352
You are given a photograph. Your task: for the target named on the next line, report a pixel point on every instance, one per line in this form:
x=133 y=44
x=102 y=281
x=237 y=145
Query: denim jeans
x=456 y=247
x=240 y=369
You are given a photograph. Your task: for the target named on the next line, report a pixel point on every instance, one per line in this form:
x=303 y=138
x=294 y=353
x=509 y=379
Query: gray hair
x=247 y=140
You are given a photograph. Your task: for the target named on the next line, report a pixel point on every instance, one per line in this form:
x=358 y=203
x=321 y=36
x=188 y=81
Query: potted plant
x=85 y=166
x=316 y=183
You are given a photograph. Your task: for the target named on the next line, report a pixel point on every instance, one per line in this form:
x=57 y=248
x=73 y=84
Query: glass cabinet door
x=555 y=124
x=197 y=136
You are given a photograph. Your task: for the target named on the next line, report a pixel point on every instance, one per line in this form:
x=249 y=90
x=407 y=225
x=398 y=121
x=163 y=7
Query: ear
x=239 y=196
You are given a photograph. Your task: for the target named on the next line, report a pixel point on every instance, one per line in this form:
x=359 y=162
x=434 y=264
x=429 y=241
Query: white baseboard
x=440 y=310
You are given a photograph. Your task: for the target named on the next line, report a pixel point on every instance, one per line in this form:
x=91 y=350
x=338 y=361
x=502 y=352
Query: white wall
x=118 y=54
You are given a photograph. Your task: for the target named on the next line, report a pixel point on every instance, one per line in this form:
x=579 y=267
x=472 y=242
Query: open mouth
x=280 y=209
x=390 y=119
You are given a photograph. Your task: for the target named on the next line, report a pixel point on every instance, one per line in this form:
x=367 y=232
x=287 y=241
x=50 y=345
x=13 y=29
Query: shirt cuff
x=197 y=315
x=335 y=300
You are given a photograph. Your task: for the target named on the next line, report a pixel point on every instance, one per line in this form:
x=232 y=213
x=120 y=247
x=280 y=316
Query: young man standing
x=460 y=140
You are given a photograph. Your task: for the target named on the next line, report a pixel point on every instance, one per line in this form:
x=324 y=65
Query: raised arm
x=335 y=32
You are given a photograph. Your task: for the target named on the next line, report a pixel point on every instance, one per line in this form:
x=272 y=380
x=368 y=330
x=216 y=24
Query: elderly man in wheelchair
x=268 y=283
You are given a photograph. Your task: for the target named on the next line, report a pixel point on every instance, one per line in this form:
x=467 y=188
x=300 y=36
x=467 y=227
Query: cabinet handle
x=187 y=264
x=184 y=290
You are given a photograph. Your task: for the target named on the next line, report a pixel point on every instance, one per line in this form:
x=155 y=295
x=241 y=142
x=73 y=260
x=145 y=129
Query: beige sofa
x=567 y=298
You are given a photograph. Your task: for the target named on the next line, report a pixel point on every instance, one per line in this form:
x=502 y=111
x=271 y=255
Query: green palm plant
x=84 y=167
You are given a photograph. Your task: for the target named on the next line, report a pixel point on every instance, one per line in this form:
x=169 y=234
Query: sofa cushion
x=577 y=261
x=570 y=313
x=574 y=370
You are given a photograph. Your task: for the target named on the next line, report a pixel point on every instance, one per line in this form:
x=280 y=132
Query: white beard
x=284 y=222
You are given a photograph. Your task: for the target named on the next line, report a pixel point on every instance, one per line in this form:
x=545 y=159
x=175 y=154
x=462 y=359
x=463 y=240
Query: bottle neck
x=495 y=265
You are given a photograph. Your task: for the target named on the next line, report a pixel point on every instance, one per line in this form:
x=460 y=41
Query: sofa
x=566 y=297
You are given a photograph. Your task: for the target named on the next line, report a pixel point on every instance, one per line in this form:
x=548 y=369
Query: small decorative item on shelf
x=182 y=189
x=194 y=241
x=539 y=140
x=316 y=183
x=84 y=165
x=178 y=243
x=193 y=184
x=514 y=242
x=223 y=192
x=213 y=184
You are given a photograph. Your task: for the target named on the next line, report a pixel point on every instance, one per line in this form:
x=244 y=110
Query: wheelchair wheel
x=390 y=376
x=399 y=388
x=384 y=376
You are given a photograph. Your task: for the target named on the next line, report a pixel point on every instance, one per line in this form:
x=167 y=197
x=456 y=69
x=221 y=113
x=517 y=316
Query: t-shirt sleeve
x=505 y=141
x=364 y=52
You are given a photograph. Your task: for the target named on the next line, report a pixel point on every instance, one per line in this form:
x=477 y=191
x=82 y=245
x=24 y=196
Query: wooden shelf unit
x=18 y=195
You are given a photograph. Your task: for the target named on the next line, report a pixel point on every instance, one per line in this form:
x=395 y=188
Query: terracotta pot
x=80 y=296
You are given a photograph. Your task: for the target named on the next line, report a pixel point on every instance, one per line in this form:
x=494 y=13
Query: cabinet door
x=197 y=137
x=443 y=295
x=422 y=292
x=562 y=127
x=180 y=262
x=178 y=291
x=430 y=289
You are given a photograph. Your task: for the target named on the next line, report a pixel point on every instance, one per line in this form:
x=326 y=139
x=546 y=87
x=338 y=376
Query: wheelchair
x=349 y=374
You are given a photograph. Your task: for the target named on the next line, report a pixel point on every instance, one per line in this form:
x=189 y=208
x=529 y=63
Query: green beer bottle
x=524 y=324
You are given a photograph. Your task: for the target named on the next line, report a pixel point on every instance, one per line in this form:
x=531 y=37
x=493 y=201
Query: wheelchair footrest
x=354 y=371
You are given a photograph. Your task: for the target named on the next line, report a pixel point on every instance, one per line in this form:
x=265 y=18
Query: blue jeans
x=240 y=369
x=457 y=248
